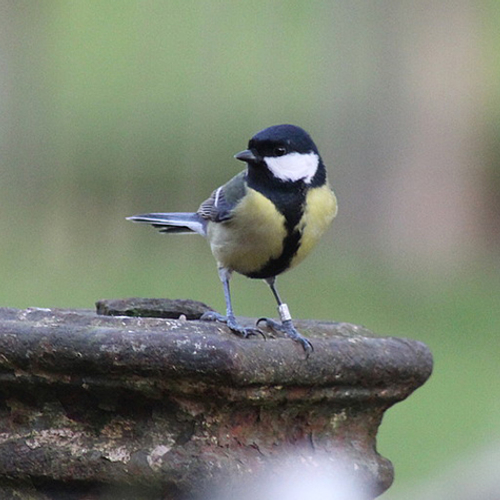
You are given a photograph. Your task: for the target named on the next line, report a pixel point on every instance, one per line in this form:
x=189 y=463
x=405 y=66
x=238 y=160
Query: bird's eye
x=279 y=151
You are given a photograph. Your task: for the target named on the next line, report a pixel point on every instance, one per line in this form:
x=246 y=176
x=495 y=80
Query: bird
x=264 y=221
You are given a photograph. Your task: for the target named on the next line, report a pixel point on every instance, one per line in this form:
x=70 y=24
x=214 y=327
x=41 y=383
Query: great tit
x=265 y=220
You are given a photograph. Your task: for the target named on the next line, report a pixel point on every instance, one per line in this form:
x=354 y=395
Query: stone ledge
x=92 y=402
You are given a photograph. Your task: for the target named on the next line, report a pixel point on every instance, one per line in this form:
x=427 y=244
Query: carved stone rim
x=155 y=354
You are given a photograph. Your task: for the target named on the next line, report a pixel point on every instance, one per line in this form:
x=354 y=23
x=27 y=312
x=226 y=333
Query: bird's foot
x=233 y=325
x=290 y=331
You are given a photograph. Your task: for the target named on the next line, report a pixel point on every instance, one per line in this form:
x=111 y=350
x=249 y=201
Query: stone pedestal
x=98 y=407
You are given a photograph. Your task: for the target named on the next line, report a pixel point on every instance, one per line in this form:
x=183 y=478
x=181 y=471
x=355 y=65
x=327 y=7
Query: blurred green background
x=113 y=108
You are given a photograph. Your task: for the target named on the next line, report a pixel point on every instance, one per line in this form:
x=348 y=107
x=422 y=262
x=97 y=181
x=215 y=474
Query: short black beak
x=246 y=155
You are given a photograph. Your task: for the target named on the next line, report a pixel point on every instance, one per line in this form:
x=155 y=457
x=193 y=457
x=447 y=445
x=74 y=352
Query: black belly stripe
x=289 y=199
x=273 y=267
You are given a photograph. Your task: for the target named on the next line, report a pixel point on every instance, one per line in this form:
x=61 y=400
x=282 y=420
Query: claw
x=213 y=316
x=290 y=331
x=233 y=325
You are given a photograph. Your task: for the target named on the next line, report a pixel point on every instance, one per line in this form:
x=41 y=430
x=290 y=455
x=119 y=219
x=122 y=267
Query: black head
x=287 y=151
x=282 y=139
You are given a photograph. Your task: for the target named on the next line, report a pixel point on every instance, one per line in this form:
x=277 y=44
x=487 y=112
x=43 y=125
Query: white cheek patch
x=293 y=166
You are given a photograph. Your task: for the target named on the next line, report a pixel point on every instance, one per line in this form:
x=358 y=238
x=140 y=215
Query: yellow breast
x=256 y=232
x=321 y=208
x=252 y=237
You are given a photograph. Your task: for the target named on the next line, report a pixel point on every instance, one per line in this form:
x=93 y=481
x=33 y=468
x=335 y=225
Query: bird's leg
x=286 y=326
x=229 y=318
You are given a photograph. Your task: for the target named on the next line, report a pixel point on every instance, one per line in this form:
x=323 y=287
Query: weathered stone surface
x=124 y=407
x=152 y=308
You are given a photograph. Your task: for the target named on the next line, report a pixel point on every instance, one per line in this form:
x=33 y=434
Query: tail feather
x=179 y=222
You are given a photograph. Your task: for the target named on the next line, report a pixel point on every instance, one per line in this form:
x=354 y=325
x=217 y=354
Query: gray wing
x=220 y=205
